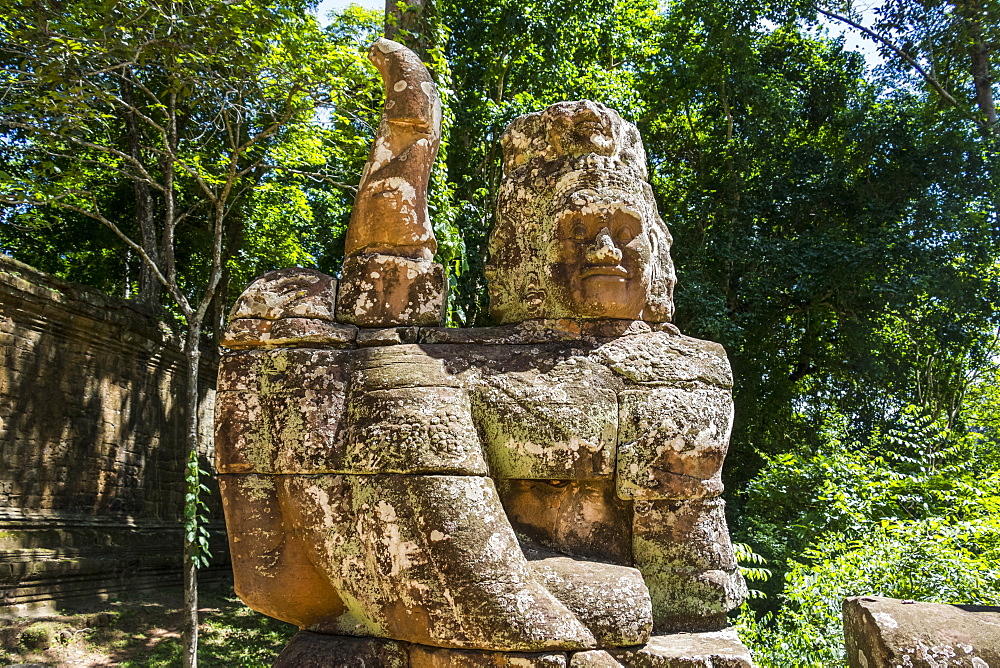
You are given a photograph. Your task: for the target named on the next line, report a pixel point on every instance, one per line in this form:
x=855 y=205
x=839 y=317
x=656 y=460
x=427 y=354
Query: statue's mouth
x=603 y=270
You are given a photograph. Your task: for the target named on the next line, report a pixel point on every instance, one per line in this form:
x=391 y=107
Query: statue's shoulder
x=665 y=358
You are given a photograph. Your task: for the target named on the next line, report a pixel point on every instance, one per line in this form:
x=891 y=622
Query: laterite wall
x=91 y=444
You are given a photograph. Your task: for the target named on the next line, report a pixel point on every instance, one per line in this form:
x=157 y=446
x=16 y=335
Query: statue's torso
x=560 y=410
x=349 y=462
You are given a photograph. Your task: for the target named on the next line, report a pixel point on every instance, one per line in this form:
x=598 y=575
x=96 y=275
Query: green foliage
x=234 y=635
x=919 y=470
x=913 y=514
x=196 y=512
x=752 y=567
x=42 y=635
x=929 y=560
x=212 y=123
x=819 y=233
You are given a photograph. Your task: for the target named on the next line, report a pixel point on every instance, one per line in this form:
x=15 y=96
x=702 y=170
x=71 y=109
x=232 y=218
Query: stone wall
x=91 y=444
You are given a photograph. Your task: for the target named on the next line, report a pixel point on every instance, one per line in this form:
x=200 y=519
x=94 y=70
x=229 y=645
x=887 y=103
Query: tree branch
x=907 y=58
x=316 y=176
x=179 y=297
x=80 y=142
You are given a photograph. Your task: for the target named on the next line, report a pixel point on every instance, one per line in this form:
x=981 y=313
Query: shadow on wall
x=92 y=436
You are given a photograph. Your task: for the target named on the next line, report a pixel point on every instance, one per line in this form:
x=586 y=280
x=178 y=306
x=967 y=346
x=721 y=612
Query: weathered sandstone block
x=295 y=431
x=391 y=367
x=431 y=657
x=284 y=370
x=288 y=307
x=583 y=519
x=661 y=358
x=686 y=558
x=315 y=650
x=404 y=558
x=288 y=293
x=412 y=430
x=886 y=632
x=390 y=210
x=673 y=442
x=272 y=568
x=387 y=337
x=261 y=333
x=564 y=432
x=611 y=601
x=434 y=409
x=379 y=290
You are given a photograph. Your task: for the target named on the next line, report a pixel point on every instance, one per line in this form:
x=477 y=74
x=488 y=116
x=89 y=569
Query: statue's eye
x=579 y=232
x=625 y=234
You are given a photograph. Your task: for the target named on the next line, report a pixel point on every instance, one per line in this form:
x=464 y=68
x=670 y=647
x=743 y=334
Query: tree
x=828 y=230
x=193 y=105
x=948 y=44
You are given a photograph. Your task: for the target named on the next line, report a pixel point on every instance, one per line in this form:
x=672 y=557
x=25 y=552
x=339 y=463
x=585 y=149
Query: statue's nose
x=604 y=250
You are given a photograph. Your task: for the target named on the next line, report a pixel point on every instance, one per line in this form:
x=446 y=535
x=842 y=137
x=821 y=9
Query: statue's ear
x=660 y=298
x=534 y=295
x=655 y=248
x=521 y=141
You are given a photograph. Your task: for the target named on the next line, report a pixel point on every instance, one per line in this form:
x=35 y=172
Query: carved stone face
x=603 y=256
x=577 y=233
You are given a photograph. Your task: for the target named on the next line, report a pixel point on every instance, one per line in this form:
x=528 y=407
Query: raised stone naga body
x=540 y=493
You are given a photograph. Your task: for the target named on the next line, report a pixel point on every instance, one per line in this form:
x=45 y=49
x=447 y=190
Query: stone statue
x=540 y=493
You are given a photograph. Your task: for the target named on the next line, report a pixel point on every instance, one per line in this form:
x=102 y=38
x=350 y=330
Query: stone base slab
x=717 y=649
x=720 y=649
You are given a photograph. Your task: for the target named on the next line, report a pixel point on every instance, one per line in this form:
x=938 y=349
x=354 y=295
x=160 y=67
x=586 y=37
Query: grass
x=143 y=629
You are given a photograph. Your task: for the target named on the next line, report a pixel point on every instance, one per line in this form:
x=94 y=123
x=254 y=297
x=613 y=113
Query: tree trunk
x=218 y=309
x=192 y=353
x=408 y=24
x=984 y=83
x=979 y=55
x=149 y=287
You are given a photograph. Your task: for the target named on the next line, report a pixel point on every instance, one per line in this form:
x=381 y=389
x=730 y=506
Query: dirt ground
x=143 y=629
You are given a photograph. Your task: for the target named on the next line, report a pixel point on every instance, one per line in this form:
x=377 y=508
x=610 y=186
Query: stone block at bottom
x=715 y=649
x=718 y=649
x=882 y=632
x=316 y=650
x=434 y=657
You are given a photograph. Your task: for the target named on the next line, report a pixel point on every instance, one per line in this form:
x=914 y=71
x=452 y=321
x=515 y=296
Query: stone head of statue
x=577 y=232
